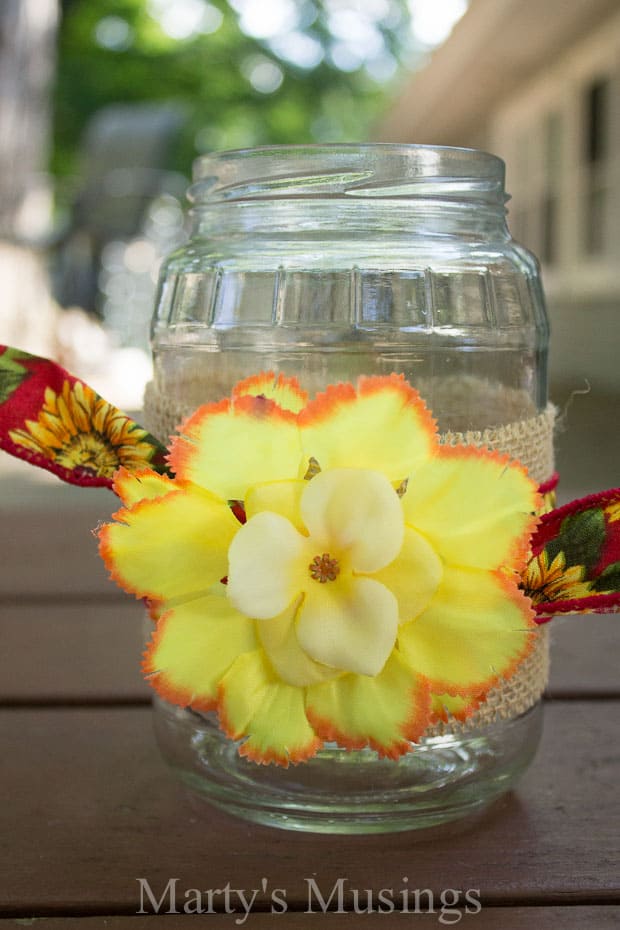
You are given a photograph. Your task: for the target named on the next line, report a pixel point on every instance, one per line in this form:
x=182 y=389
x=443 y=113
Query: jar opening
x=349 y=171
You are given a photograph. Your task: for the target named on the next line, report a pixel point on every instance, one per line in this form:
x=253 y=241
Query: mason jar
x=327 y=262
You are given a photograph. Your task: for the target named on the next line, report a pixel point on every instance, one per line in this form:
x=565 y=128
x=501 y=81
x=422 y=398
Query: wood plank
x=71 y=653
x=91 y=651
x=24 y=486
x=584 y=656
x=92 y=808
x=597 y=917
x=53 y=552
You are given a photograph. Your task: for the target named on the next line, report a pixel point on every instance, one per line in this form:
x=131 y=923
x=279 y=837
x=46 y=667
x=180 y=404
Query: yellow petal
x=445 y=706
x=278 y=496
x=65 y=414
x=279 y=639
x=385 y=712
x=255 y=703
x=194 y=646
x=349 y=625
x=475 y=631
x=26 y=441
x=80 y=408
x=286 y=392
x=46 y=437
x=384 y=426
x=170 y=547
x=268 y=566
x=144 y=484
x=356 y=511
x=228 y=447
x=473 y=507
x=413 y=577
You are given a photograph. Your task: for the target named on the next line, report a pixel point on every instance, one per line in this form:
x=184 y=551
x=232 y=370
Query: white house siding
x=506 y=96
x=582 y=283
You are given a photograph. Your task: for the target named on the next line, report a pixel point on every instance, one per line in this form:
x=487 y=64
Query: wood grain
x=91 y=808
x=584 y=656
x=89 y=805
x=598 y=917
x=89 y=651
x=54 y=552
x=73 y=653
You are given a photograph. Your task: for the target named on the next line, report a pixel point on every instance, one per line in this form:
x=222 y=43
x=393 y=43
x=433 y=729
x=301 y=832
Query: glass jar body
x=444 y=778
x=327 y=263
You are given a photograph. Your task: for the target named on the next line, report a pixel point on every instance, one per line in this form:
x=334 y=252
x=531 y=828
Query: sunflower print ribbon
x=574 y=567
x=52 y=419
x=321 y=569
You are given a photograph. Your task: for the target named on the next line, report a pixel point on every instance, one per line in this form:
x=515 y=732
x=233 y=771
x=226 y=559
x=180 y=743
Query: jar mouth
x=349 y=171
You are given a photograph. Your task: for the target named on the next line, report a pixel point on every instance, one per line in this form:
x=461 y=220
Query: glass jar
x=327 y=262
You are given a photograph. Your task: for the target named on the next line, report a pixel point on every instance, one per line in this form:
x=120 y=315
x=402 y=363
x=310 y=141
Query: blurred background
x=105 y=104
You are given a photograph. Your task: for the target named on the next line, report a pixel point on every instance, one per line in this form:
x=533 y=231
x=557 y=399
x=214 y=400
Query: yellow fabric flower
x=326 y=570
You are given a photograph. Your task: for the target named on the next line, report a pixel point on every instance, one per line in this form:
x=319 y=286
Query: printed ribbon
x=53 y=420
x=575 y=562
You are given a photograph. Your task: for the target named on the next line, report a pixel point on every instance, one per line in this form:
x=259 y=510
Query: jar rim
x=348 y=170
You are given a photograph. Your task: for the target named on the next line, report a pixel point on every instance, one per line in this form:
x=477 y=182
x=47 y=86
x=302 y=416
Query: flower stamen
x=313 y=469
x=323 y=568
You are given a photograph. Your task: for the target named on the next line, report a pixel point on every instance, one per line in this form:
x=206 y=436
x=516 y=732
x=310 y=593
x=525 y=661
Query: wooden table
x=88 y=807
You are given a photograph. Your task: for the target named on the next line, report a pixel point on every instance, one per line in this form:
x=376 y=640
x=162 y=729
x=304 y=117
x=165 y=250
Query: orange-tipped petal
x=145 y=484
x=387 y=712
x=286 y=392
x=192 y=648
x=230 y=446
x=447 y=706
x=477 y=630
x=170 y=547
x=475 y=507
x=255 y=705
x=383 y=425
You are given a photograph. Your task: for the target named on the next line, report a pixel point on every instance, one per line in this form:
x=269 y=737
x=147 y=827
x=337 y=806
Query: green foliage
x=208 y=74
x=11 y=372
x=609 y=579
x=581 y=538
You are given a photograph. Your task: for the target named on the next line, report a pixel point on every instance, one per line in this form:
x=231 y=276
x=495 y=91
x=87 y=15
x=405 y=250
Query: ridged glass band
x=495 y=304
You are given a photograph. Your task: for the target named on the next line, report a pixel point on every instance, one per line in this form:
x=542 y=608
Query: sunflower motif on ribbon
x=325 y=570
x=575 y=561
x=78 y=430
x=546 y=581
x=51 y=419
